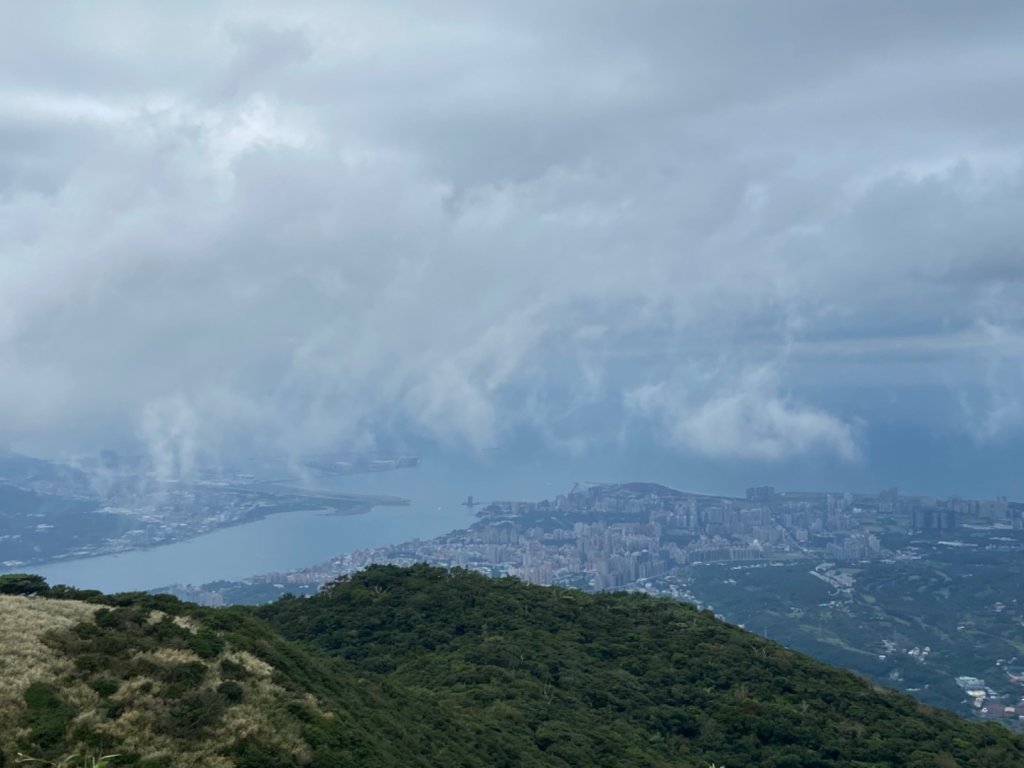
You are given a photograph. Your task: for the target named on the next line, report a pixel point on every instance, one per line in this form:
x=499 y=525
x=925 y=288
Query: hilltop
x=423 y=666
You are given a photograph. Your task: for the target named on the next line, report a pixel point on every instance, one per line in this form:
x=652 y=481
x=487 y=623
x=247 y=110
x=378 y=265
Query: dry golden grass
x=169 y=656
x=136 y=730
x=253 y=665
x=185 y=622
x=24 y=658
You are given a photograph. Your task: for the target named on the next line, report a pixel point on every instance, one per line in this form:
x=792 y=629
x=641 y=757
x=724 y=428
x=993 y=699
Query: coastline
x=360 y=504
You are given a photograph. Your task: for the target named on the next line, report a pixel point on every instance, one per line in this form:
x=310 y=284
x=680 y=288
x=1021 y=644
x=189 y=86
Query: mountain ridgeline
x=426 y=667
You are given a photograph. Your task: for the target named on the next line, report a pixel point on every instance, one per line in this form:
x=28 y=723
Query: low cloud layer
x=745 y=419
x=307 y=225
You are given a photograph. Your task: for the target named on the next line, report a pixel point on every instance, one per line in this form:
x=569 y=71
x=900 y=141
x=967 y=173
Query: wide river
x=292 y=540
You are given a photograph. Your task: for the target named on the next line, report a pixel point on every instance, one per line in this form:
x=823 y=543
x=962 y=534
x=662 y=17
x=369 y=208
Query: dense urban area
x=916 y=592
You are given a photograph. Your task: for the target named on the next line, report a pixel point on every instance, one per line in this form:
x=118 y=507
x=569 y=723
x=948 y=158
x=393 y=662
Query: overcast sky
x=747 y=231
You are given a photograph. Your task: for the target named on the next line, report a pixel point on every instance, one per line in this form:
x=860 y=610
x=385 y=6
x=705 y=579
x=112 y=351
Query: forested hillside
x=421 y=666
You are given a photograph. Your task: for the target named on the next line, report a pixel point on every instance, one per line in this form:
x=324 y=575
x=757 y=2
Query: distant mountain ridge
x=426 y=667
x=41 y=474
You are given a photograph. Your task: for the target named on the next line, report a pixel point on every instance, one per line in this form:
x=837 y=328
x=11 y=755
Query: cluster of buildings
x=989 y=704
x=614 y=536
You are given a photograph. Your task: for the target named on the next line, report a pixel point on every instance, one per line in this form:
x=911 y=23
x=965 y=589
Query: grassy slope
x=424 y=667
x=24 y=657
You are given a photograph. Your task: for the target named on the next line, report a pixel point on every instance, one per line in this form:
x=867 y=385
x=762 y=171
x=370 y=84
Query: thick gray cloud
x=303 y=224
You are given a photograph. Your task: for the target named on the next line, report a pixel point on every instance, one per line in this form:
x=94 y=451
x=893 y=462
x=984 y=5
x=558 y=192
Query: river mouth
x=277 y=543
x=427 y=501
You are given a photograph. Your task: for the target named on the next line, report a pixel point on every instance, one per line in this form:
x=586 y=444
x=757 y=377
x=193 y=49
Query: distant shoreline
x=360 y=504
